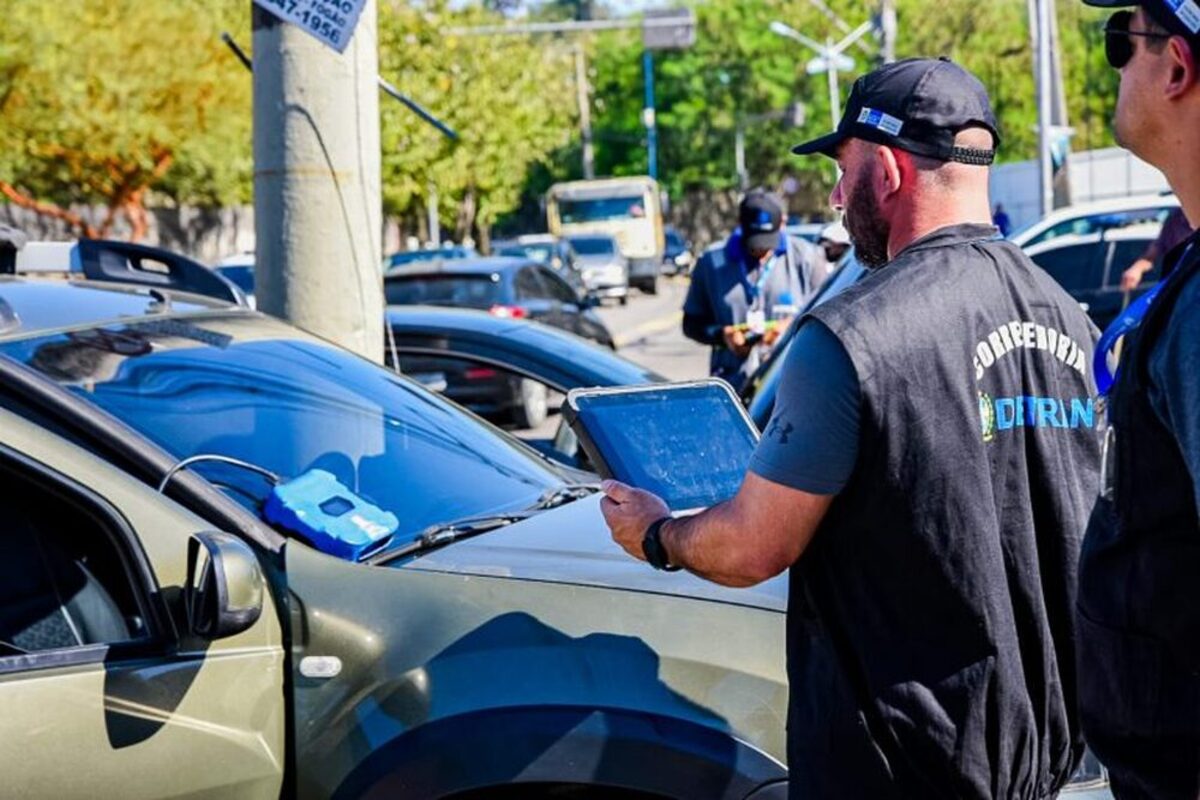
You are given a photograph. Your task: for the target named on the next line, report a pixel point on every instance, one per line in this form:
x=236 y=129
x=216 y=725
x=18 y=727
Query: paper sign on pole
x=330 y=21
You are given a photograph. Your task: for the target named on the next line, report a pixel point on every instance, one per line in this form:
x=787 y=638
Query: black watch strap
x=652 y=547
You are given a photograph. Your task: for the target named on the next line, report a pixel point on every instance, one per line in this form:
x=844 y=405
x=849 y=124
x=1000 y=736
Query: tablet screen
x=689 y=444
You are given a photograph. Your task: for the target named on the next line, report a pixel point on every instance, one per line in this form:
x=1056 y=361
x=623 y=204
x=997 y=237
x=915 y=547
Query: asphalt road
x=647 y=331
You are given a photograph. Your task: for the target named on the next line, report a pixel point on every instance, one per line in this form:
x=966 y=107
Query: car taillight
x=508 y=312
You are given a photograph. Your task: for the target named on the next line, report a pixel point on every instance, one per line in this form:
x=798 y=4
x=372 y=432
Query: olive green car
x=172 y=644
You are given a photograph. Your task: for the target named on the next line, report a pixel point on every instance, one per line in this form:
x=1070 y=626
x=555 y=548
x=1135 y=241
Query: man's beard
x=868 y=230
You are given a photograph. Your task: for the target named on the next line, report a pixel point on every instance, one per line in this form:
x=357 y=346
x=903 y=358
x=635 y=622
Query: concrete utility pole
x=317 y=201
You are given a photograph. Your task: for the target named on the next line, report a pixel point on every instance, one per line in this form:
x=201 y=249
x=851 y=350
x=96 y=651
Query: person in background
x=1001 y=221
x=1139 y=608
x=835 y=242
x=743 y=294
x=1174 y=230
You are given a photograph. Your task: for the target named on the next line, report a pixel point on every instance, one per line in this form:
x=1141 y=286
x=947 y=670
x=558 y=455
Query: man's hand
x=775 y=331
x=629 y=512
x=1133 y=276
x=735 y=340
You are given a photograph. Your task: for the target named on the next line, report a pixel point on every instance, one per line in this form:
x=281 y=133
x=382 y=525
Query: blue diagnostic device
x=330 y=516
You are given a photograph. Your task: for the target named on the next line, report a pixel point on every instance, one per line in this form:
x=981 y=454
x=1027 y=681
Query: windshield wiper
x=554 y=498
x=447 y=532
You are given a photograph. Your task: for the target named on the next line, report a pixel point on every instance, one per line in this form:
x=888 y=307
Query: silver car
x=605 y=271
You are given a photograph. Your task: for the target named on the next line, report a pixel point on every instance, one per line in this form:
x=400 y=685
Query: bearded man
x=927 y=477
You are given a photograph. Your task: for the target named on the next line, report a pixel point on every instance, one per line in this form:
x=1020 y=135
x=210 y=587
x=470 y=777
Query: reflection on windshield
x=290 y=404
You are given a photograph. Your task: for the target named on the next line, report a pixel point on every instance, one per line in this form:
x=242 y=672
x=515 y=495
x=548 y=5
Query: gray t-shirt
x=811 y=442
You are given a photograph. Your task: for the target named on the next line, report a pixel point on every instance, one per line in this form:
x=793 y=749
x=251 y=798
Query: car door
x=105 y=693
x=533 y=296
x=1111 y=300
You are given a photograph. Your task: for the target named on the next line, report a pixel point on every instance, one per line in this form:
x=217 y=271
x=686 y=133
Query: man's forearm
x=721 y=545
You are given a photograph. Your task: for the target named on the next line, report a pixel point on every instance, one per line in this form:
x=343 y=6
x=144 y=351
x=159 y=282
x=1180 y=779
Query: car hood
x=572 y=545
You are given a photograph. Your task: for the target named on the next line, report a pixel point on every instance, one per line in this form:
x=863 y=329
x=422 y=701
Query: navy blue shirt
x=811 y=442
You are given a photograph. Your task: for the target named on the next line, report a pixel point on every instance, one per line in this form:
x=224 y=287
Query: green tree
x=509 y=98
x=103 y=101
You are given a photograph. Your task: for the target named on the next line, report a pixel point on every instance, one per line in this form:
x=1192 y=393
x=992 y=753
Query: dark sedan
x=510 y=288
x=502 y=368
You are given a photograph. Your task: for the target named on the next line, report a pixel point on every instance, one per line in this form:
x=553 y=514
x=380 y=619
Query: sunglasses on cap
x=1118 y=38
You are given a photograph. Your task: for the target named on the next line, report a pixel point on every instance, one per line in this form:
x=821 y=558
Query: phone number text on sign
x=331 y=21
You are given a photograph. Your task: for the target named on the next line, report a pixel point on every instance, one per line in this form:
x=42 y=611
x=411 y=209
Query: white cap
x=835 y=232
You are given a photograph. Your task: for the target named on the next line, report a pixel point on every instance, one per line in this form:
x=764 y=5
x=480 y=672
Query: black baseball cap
x=760 y=217
x=918 y=105
x=1180 y=17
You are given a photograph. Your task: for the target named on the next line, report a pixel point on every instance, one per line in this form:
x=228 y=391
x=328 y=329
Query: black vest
x=930 y=627
x=1139 y=590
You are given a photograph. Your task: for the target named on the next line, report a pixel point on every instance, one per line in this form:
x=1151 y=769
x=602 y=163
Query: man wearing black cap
x=1139 y=576
x=926 y=475
x=744 y=293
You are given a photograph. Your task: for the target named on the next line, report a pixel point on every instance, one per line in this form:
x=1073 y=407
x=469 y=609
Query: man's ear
x=890 y=176
x=1184 y=73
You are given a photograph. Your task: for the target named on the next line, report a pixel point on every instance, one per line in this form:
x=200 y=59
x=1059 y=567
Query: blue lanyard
x=1129 y=319
x=753 y=291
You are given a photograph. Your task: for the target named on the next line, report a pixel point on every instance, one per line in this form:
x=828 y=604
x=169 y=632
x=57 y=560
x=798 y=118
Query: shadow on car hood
x=571 y=544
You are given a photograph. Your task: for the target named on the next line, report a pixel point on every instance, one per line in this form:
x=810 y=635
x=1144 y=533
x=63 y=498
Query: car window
x=528 y=285
x=62 y=580
x=1077 y=267
x=471 y=291
x=558 y=288
x=1125 y=252
x=1094 y=223
x=252 y=388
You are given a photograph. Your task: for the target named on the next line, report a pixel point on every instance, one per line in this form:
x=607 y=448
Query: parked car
x=1088 y=218
x=494 y=365
x=239 y=270
x=152 y=634
x=548 y=250
x=510 y=288
x=677 y=256
x=1089 y=266
x=605 y=271
x=406 y=258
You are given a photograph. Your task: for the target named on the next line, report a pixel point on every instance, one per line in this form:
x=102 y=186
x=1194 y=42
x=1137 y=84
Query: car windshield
x=593 y=246
x=470 y=291
x=600 y=209
x=242 y=276
x=252 y=388
x=540 y=253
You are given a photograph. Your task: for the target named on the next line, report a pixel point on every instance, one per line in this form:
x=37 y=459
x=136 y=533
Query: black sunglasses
x=1118 y=38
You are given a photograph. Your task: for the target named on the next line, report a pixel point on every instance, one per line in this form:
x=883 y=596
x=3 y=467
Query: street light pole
x=585 y=112
x=835 y=96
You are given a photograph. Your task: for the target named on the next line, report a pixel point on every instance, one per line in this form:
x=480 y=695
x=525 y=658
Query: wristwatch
x=652 y=547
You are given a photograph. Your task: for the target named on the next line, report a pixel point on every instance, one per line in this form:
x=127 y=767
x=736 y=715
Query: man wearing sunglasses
x=1139 y=575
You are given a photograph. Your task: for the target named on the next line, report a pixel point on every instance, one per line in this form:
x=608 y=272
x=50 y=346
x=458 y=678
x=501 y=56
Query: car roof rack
x=125 y=263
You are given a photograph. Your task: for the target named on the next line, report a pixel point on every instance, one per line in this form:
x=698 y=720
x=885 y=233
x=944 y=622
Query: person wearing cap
x=834 y=241
x=1139 y=608
x=926 y=476
x=743 y=294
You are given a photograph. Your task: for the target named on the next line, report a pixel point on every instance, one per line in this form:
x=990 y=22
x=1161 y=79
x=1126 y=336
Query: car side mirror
x=224 y=591
x=589 y=301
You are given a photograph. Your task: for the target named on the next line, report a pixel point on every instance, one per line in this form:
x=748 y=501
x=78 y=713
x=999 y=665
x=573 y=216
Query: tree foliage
x=510 y=99
x=103 y=99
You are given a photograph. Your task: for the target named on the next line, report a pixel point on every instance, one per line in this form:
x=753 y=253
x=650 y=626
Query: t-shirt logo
x=781 y=431
x=987 y=413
